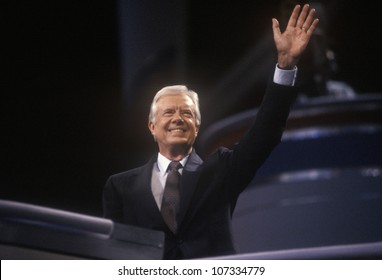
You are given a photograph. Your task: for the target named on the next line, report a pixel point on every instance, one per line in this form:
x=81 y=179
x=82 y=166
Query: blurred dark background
x=77 y=79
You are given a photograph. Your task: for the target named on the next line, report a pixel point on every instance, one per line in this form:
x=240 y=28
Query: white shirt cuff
x=285 y=77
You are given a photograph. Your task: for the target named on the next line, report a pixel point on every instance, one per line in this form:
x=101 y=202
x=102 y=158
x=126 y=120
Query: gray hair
x=175 y=90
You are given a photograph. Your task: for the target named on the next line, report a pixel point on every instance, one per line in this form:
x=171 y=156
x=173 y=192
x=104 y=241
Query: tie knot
x=174 y=166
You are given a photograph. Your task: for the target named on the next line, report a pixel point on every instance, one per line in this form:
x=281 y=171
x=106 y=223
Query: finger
x=309 y=19
x=312 y=27
x=293 y=18
x=302 y=17
x=276 y=27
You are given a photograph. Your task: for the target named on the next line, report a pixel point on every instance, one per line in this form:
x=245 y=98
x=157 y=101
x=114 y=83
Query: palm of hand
x=293 y=41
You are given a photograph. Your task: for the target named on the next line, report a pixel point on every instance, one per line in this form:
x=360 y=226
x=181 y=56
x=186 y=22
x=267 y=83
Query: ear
x=197 y=130
x=151 y=126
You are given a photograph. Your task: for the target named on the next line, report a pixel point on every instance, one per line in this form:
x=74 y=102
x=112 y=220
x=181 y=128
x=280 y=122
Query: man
x=193 y=202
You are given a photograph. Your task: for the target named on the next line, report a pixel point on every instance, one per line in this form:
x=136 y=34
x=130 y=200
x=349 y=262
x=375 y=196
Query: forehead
x=175 y=100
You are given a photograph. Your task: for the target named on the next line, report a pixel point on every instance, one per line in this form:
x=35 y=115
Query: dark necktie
x=170 y=201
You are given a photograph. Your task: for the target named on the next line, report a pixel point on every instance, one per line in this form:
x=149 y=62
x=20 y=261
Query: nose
x=177 y=119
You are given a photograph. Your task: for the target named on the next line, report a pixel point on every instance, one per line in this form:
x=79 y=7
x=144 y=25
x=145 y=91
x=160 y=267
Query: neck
x=176 y=154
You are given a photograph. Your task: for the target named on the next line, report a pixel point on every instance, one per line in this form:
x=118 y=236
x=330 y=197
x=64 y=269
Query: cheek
x=160 y=124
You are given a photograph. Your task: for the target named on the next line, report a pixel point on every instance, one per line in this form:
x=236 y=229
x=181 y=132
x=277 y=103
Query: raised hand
x=293 y=41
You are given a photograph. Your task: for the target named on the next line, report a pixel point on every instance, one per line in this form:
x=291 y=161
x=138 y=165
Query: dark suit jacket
x=209 y=189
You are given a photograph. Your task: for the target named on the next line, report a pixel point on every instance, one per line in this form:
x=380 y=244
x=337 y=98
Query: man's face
x=175 y=123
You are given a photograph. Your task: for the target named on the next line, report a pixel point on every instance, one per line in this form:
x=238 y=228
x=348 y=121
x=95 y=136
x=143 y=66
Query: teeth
x=181 y=130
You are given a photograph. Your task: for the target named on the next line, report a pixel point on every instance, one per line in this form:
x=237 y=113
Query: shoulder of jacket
x=127 y=173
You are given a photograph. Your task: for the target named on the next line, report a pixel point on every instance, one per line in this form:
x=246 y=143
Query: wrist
x=286 y=68
x=286 y=62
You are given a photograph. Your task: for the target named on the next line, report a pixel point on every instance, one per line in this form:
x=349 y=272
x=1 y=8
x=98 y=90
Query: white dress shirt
x=285 y=77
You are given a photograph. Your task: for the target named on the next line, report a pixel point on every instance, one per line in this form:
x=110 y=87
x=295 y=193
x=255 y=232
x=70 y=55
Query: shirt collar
x=163 y=163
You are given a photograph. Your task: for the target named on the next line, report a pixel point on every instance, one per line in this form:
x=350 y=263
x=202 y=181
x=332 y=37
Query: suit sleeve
x=254 y=148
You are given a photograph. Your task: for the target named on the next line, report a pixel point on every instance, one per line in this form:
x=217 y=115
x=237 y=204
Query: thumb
x=276 y=27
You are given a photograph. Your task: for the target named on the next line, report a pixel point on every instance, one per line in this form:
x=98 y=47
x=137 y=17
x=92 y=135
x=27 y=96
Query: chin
x=180 y=142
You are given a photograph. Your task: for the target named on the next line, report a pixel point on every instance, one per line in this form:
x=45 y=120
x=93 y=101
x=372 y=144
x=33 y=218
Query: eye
x=168 y=113
x=187 y=113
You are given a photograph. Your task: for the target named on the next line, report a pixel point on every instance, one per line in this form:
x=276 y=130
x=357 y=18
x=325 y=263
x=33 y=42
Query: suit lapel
x=190 y=177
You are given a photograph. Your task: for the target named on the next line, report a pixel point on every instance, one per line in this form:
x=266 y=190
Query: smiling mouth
x=177 y=130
